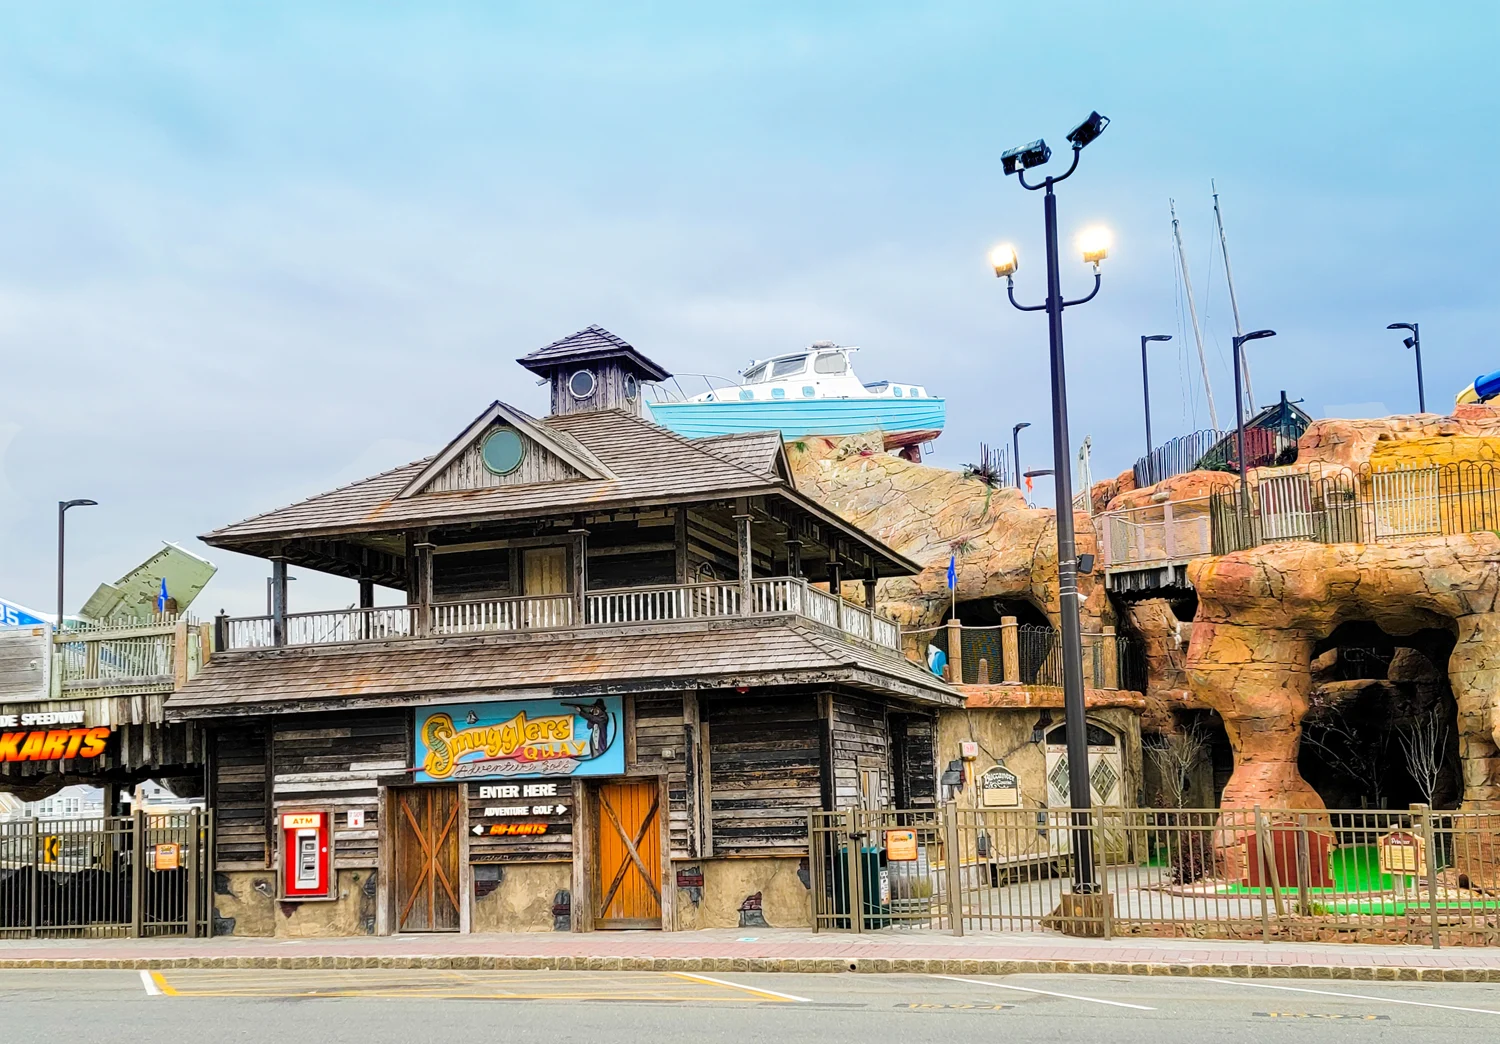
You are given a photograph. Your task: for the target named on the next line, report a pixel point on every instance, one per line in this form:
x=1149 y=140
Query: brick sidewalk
x=771 y=949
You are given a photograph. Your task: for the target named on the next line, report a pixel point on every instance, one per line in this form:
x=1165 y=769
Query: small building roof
x=761 y=651
x=587 y=345
x=762 y=452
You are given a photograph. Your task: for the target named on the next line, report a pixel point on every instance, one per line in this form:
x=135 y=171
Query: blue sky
x=249 y=252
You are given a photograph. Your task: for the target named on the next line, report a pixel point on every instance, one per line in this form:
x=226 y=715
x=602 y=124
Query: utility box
x=25 y=663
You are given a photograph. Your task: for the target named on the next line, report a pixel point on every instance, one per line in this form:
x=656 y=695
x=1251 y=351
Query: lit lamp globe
x=1004 y=261
x=1094 y=244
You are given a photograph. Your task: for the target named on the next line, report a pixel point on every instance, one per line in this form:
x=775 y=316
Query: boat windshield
x=834 y=363
x=787 y=367
x=755 y=374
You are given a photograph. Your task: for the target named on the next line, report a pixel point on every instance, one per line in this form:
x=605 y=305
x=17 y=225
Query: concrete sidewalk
x=771 y=950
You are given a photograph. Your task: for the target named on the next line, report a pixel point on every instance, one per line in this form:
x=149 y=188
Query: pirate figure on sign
x=596 y=717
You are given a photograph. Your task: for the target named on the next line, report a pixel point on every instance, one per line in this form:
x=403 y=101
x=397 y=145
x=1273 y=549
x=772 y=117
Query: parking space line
x=152 y=990
x=772 y=994
x=1354 y=996
x=1045 y=993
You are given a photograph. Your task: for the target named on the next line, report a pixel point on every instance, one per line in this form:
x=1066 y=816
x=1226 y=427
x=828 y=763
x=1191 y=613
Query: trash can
x=875 y=888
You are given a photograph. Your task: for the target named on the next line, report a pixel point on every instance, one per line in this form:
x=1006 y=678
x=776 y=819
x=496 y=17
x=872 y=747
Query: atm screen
x=307 y=859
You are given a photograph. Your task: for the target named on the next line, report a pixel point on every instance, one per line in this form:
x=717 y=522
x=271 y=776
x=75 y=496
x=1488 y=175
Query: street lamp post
x=1005 y=262
x=62 y=514
x=1415 y=343
x=1239 y=429
x=1015 y=444
x=1146 y=386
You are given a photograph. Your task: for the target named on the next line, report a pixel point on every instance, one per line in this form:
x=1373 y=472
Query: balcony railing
x=631 y=605
x=1359 y=506
x=1155 y=534
x=126 y=659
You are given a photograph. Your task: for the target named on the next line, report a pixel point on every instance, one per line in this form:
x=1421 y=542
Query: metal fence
x=138 y=876
x=1415 y=876
x=1359 y=505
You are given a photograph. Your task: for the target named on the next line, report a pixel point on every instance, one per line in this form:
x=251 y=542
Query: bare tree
x=1424 y=741
x=1355 y=752
x=1176 y=757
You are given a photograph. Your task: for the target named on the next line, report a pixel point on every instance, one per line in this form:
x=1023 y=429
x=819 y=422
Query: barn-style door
x=425 y=863
x=628 y=857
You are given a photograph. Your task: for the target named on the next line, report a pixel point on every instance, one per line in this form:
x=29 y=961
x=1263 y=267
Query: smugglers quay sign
x=41 y=736
x=529 y=738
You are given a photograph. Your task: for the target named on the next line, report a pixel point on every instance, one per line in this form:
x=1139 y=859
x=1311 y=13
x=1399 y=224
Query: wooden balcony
x=604 y=609
x=126 y=659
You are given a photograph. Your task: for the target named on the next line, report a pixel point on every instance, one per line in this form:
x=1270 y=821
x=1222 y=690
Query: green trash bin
x=875 y=888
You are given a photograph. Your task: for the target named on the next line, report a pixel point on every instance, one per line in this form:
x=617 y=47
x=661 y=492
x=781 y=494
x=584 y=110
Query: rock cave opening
x=988 y=612
x=1189 y=765
x=1381 y=729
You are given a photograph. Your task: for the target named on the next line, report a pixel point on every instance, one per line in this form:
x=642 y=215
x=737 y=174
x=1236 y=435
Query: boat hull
x=795 y=418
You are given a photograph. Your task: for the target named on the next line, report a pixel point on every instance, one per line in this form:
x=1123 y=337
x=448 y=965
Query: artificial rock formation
x=1260 y=613
x=1004 y=549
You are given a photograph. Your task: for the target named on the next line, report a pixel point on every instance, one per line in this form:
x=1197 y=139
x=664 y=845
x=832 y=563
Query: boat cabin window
x=757 y=374
x=834 y=363
x=787 y=367
x=778 y=393
x=746 y=393
x=896 y=392
x=809 y=392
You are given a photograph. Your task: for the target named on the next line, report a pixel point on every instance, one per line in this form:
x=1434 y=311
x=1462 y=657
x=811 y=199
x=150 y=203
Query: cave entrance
x=988 y=612
x=1381 y=730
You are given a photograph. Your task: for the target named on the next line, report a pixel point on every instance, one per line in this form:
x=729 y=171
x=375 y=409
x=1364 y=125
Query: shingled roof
x=593 y=342
x=762 y=452
x=644 y=463
x=749 y=652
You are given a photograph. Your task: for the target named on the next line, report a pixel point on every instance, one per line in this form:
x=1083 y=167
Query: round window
x=581 y=384
x=630 y=387
x=503 y=451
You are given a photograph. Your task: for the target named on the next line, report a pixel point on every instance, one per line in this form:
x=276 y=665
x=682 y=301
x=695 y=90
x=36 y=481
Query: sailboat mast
x=1233 y=303
x=1213 y=414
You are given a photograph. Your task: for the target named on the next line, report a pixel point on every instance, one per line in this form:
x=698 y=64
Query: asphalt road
x=375 y=1007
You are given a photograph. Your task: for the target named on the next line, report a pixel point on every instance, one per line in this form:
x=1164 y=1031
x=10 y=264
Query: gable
x=469 y=469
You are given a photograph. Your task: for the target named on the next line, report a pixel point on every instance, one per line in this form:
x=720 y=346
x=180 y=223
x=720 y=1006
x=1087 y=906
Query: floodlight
x=1088 y=130
x=1024 y=157
x=1094 y=243
x=1004 y=260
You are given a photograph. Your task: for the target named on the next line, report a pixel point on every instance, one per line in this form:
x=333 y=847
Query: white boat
x=811 y=392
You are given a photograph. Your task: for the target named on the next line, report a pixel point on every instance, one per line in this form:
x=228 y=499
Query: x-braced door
x=628 y=857
x=425 y=862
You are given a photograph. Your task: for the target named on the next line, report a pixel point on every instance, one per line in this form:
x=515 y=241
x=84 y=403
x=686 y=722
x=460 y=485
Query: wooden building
x=617 y=680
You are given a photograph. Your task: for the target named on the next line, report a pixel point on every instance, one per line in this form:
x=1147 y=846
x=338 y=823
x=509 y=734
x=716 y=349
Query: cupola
x=593 y=370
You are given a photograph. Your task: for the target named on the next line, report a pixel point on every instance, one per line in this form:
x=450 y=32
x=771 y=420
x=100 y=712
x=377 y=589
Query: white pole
x=1213 y=415
x=1233 y=304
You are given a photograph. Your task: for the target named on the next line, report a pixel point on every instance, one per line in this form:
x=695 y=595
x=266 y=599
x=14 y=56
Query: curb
x=868 y=965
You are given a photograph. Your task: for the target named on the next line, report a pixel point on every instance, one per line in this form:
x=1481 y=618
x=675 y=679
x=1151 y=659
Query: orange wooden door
x=628 y=888
x=425 y=859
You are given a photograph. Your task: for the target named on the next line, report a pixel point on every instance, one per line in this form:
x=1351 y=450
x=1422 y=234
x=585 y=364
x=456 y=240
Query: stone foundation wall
x=245 y=904
x=744 y=893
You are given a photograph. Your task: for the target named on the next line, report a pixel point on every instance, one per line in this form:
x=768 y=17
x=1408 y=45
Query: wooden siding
x=556 y=845
x=660 y=726
x=609 y=389
x=764 y=771
x=241 y=798
x=711 y=540
x=471 y=574
x=861 y=752
x=339 y=762
x=467 y=471
x=914 y=754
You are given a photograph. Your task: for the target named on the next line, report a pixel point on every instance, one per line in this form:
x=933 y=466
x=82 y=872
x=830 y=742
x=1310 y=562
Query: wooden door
x=627 y=886
x=425 y=859
x=546 y=571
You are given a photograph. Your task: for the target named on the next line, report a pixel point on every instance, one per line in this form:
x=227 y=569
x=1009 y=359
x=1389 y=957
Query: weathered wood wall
x=861 y=752
x=467 y=471
x=765 y=757
x=241 y=797
x=914 y=758
x=664 y=741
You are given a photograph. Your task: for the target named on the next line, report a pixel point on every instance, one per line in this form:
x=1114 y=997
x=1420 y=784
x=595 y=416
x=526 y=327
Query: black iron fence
x=141 y=875
x=1212 y=450
x=1110 y=661
x=1412 y=876
x=1358 y=505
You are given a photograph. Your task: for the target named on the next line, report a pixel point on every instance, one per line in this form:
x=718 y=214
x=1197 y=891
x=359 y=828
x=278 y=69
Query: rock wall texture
x=1004 y=548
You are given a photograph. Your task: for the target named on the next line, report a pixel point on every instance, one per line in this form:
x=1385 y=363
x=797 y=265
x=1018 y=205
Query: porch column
x=1010 y=651
x=870 y=581
x=836 y=583
x=746 y=563
x=278 y=600
x=366 y=593
x=680 y=543
x=793 y=558
x=423 y=622
x=580 y=537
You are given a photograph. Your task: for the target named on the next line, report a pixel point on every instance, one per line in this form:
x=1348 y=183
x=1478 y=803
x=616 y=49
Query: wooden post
x=836 y=585
x=1110 y=650
x=278 y=600
x=956 y=651
x=951 y=869
x=680 y=545
x=366 y=593
x=746 y=562
x=221 y=632
x=580 y=569
x=1010 y=651
x=1168 y=532
x=870 y=582
x=793 y=558
x=180 y=653
x=423 y=622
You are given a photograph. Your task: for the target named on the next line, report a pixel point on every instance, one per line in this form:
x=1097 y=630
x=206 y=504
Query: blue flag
x=161 y=599
x=952 y=572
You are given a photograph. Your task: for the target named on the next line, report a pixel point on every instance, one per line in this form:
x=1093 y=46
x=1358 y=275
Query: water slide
x=1482 y=390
